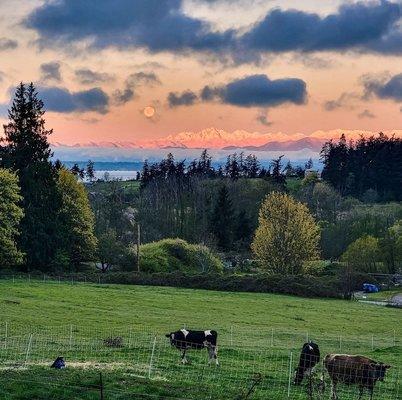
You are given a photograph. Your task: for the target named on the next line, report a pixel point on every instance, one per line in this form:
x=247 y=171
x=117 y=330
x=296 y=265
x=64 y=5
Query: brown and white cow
x=354 y=370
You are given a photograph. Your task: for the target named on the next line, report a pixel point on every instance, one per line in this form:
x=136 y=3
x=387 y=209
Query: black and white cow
x=185 y=340
x=309 y=358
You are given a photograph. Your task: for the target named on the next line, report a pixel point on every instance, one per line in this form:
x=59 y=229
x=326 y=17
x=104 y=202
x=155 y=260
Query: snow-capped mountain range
x=220 y=139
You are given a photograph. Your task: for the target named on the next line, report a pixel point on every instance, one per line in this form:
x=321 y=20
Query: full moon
x=149 y=111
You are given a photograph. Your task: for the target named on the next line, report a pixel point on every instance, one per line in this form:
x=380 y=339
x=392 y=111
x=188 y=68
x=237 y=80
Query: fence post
x=152 y=358
x=71 y=337
x=13 y=279
x=29 y=278
x=394 y=338
x=307 y=338
x=28 y=348
x=101 y=386
x=290 y=372
x=5 y=335
x=372 y=342
x=340 y=343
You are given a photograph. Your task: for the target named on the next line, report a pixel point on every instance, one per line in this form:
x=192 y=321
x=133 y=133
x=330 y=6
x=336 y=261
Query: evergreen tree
x=243 y=230
x=289 y=171
x=77 y=171
x=90 y=171
x=276 y=173
x=252 y=166
x=309 y=164
x=222 y=219
x=27 y=152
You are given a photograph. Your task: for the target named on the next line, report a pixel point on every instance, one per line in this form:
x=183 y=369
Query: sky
x=138 y=70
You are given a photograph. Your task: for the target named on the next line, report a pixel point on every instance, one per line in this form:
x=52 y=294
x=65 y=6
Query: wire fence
x=253 y=363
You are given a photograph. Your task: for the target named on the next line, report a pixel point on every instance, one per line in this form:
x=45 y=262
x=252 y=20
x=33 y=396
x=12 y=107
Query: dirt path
x=397 y=299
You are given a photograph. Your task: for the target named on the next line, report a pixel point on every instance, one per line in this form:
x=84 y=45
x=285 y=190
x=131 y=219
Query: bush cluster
x=171 y=255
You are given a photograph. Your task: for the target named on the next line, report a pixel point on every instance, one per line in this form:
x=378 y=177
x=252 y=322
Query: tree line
x=369 y=169
x=287 y=219
x=53 y=224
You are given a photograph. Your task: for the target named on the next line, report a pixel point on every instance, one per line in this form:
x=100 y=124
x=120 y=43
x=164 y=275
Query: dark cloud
x=86 y=76
x=186 y=98
x=365 y=26
x=384 y=88
x=143 y=78
x=209 y=93
x=260 y=91
x=133 y=81
x=123 y=96
x=251 y=91
x=7 y=44
x=50 y=71
x=362 y=25
x=366 y=114
x=152 y=24
x=343 y=101
x=63 y=101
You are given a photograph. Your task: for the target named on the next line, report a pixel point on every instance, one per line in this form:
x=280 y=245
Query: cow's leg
x=210 y=351
x=183 y=356
x=371 y=390
x=334 y=396
x=215 y=348
x=361 y=389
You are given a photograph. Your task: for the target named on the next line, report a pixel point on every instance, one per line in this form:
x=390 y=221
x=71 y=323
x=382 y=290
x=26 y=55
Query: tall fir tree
x=222 y=219
x=25 y=149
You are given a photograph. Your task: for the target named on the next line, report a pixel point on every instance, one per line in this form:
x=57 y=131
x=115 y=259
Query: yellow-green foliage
x=287 y=235
x=363 y=254
x=10 y=216
x=177 y=255
x=77 y=219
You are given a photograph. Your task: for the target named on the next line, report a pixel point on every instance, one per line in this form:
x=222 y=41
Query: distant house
x=312 y=171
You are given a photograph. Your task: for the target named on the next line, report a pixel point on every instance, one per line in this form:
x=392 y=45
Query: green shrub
x=171 y=255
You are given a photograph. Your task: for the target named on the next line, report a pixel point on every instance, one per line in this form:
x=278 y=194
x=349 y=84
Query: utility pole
x=138 y=245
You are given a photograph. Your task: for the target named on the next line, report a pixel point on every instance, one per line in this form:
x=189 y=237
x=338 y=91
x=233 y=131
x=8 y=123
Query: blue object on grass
x=370 y=288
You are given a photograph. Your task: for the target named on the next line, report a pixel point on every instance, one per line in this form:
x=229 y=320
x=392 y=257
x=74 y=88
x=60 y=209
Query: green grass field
x=260 y=336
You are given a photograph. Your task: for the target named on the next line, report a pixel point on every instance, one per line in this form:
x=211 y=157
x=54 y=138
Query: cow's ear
x=387 y=366
x=167 y=335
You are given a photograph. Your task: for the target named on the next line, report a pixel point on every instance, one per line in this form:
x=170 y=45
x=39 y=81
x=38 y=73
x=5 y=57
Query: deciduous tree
x=10 y=217
x=76 y=219
x=287 y=235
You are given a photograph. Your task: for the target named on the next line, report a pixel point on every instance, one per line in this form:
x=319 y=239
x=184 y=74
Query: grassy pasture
x=260 y=336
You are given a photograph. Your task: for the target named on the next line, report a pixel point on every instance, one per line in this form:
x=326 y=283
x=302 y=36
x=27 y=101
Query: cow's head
x=171 y=337
x=378 y=370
